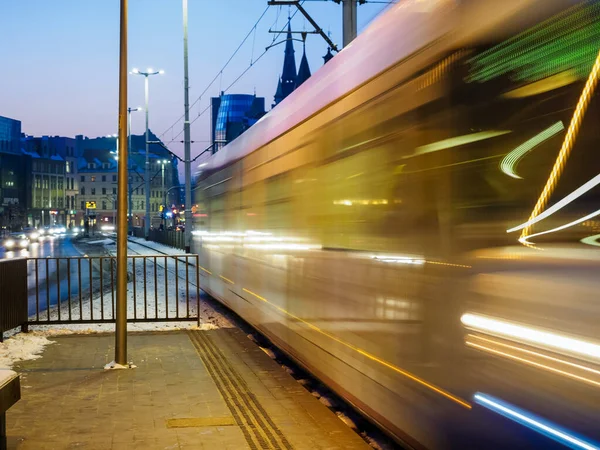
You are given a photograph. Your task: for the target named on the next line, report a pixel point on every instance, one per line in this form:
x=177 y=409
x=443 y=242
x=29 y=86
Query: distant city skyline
x=60 y=71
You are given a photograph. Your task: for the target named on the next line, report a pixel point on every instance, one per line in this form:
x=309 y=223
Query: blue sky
x=60 y=59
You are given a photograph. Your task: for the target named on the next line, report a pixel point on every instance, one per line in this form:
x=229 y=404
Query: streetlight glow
x=149 y=70
x=161 y=71
x=135 y=71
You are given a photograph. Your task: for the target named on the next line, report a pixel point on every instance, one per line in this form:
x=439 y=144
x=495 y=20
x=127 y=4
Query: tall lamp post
x=149 y=72
x=130 y=221
x=162 y=163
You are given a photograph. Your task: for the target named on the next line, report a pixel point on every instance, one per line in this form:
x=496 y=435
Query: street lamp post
x=162 y=163
x=130 y=189
x=147 y=74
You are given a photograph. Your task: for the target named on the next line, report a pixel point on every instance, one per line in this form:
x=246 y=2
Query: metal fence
x=13 y=292
x=83 y=289
x=171 y=238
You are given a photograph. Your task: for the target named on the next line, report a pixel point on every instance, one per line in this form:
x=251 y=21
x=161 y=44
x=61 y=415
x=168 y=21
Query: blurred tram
x=418 y=223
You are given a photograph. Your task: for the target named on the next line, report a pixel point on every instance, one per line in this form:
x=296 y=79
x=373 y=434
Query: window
x=103 y=177
x=103 y=191
x=82 y=191
x=60 y=183
x=93 y=191
x=60 y=202
x=9 y=184
x=68 y=202
x=82 y=204
x=68 y=167
x=103 y=204
x=142 y=205
x=73 y=201
x=82 y=179
x=53 y=183
x=93 y=179
x=152 y=207
x=114 y=178
x=46 y=183
x=115 y=191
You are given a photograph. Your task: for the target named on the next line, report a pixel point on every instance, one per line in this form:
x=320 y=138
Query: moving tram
x=418 y=223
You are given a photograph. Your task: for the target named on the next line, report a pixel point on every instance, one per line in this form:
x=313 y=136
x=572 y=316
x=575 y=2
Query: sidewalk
x=196 y=389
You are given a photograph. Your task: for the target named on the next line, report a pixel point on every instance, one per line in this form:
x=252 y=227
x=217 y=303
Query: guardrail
x=161 y=288
x=13 y=293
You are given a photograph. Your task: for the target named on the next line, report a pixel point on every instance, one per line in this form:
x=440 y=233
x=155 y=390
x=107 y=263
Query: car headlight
x=35 y=235
x=9 y=243
x=23 y=243
x=75 y=230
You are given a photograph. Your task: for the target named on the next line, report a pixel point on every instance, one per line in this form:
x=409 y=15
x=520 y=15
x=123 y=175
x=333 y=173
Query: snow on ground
x=160 y=295
x=22 y=347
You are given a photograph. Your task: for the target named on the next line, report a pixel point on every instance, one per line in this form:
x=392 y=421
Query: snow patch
x=347 y=420
x=327 y=401
x=114 y=366
x=270 y=353
x=22 y=347
x=101 y=242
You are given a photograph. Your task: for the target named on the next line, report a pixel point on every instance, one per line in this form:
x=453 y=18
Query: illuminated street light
x=147 y=74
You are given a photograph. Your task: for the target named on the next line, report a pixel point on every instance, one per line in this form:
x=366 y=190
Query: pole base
x=114 y=366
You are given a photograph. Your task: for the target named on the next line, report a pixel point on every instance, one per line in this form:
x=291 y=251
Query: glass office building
x=10 y=135
x=232 y=114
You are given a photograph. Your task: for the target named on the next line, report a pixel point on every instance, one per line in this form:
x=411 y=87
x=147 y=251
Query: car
x=33 y=234
x=16 y=241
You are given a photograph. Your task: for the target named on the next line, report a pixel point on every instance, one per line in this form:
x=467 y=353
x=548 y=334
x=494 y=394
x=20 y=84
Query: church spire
x=328 y=56
x=304 y=70
x=288 y=76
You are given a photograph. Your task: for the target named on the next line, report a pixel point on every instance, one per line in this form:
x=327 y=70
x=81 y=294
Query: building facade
x=97 y=177
x=231 y=115
x=13 y=207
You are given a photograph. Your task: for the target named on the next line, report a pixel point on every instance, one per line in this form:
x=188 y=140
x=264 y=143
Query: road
x=55 y=247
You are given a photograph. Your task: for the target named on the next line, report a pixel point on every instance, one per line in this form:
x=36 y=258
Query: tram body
x=362 y=224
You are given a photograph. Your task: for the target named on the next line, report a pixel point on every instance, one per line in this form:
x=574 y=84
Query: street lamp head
x=149 y=70
x=161 y=72
x=135 y=71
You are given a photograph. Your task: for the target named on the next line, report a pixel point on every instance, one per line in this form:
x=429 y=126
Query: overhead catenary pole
x=349 y=21
x=186 y=135
x=121 y=311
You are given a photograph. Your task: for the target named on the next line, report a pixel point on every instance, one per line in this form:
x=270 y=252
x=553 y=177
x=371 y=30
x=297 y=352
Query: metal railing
x=161 y=288
x=13 y=292
x=174 y=239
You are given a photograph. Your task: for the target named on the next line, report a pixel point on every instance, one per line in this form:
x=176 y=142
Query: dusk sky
x=60 y=59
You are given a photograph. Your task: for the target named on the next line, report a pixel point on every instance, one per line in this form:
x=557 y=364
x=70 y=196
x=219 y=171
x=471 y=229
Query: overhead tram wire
x=231 y=85
x=220 y=71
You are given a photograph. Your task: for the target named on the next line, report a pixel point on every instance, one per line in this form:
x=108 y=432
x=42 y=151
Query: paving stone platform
x=196 y=389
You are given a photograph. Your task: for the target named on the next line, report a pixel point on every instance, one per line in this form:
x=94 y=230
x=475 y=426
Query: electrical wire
x=235 y=81
x=220 y=71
